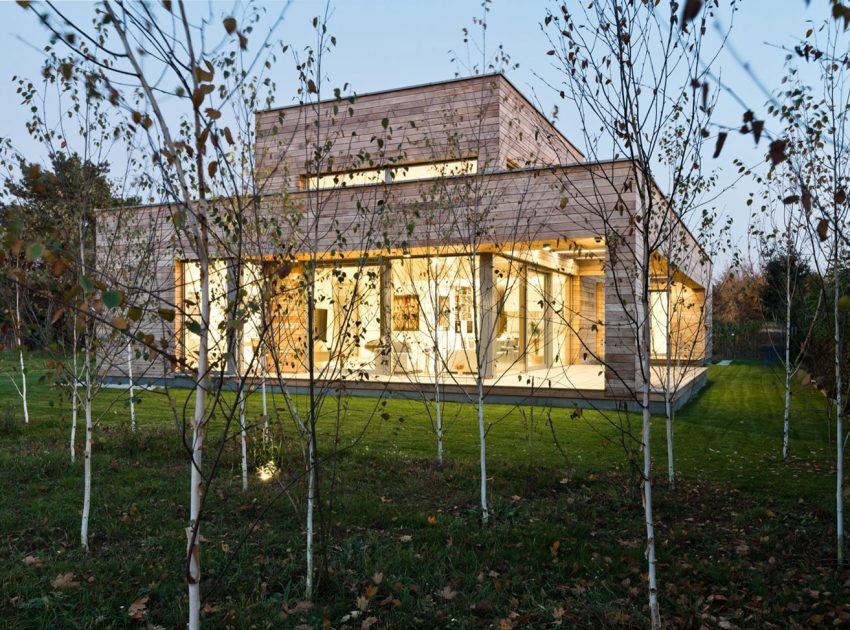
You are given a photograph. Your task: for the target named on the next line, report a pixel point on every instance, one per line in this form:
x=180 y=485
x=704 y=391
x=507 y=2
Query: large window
x=347 y=323
x=432 y=315
x=419 y=320
x=509 y=342
x=559 y=318
x=659 y=319
x=389 y=174
x=191 y=314
x=537 y=335
x=246 y=336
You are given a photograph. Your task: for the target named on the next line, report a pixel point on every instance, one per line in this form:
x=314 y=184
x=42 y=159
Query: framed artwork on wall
x=405 y=313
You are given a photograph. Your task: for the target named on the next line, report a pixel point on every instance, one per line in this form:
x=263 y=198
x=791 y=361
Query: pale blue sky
x=389 y=43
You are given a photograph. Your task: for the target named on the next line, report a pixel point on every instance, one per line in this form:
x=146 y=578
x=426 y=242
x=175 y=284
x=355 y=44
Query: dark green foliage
x=49 y=213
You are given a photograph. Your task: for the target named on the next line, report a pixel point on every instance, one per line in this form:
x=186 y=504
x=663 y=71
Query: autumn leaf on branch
x=690 y=11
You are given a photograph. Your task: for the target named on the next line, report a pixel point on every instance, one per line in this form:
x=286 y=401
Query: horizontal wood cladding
x=136 y=252
x=458 y=119
x=519 y=206
x=526 y=137
x=484 y=117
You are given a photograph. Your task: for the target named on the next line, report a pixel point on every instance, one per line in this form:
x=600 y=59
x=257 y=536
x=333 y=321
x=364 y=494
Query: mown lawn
x=744 y=540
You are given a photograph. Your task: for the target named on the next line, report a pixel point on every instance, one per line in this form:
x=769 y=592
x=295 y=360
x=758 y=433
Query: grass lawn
x=743 y=541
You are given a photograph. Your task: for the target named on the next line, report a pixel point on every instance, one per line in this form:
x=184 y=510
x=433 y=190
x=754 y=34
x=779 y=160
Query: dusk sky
x=391 y=43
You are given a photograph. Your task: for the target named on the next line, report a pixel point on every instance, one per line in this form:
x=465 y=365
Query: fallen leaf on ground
x=139 y=608
x=448 y=593
x=65 y=580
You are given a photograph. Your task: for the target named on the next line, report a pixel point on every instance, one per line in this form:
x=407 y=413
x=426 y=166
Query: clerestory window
x=390 y=174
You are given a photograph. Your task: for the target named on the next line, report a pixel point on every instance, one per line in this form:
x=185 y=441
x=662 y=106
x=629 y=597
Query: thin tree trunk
x=84 y=526
x=19 y=342
x=87 y=372
x=668 y=390
x=438 y=405
x=479 y=381
x=654 y=613
x=786 y=420
x=244 y=441
x=482 y=436
x=132 y=389
x=671 y=473
x=74 y=392
x=265 y=407
x=311 y=499
x=198 y=434
x=839 y=418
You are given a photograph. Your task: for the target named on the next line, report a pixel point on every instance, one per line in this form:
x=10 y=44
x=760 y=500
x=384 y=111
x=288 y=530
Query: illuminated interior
x=403 y=173
x=422 y=318
x=191 y=320
x=659 y=305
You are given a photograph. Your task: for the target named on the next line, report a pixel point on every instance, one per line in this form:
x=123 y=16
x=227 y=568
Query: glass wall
x=509 y=343
x=432 y=325
x=251 y=351
x=431 y=308
x=537 y=301
x=347 y=323
x=191 y=314
x=559 y=318
x=658 y=324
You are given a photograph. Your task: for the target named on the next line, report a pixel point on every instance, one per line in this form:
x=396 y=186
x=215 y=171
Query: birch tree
x=631 y=72
x=815 y=144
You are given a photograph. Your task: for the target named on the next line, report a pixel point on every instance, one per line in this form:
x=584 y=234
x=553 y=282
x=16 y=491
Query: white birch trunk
x=87 y=372
x=198 y=433
x=668 y=389
x=19 y=342
x=132 y=389
x=84 y=526
x=244 y=440
x=654 y=613
x=671 y=472
x=311 y=494
x=438 y=406
x=265 y=406
x=786 y=420
x=482 y=436
x=839 y=421
x=74 y=393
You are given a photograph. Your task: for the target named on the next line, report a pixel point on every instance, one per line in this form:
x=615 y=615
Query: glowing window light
x=406 y=173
